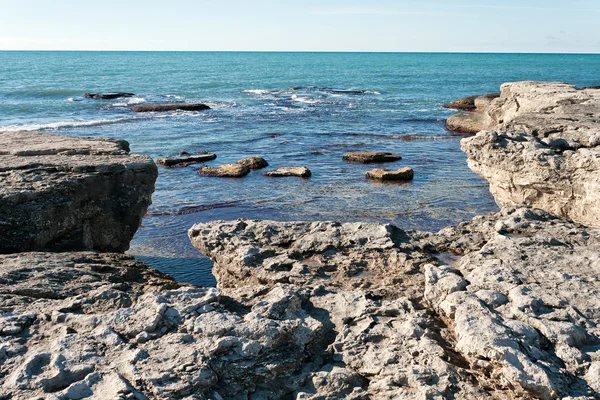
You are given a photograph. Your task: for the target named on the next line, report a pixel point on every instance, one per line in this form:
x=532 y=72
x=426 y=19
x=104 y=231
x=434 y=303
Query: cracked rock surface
x=541 y=147
x=59 y=192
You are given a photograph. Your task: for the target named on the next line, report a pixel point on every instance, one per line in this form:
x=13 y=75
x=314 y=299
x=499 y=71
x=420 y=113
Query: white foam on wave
x=174 y=96
x=130 y=101
x=261 y=91
x=306 y=100
x=65 y=124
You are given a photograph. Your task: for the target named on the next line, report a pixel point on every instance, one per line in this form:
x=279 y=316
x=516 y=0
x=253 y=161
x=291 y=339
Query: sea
x=293 y=109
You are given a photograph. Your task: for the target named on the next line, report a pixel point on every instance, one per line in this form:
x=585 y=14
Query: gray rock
x=402 y=174
x=150 y=107
x=253 y=163
x=185 y=160
x=225 y=171
x=366 y=157
x=59 y=192
x=108 y=96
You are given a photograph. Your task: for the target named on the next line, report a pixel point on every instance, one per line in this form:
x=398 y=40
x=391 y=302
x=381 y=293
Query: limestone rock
x=472 y=102
x=366 y=157
x=253 y=163
x=301 y=172
x=185 y=160
x=224 y=170
x=150 y=107
x=59 y=192
x=402 y=174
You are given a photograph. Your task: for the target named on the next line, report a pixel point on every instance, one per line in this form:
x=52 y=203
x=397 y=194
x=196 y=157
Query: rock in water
x=107 y=96
x=301 y=172
x=472 y=102
x=185 y=160
x=543 y=150
x=59 y=192
x=225 y=171
x=402 y=174
x=366 y=157
x=254 y=163
x=169 y=107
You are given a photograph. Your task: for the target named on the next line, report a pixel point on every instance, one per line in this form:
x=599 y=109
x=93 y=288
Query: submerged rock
x=224 y=170
x=149 y=107
x=402 y=174
x=301 y=172
x=185 y=160
x=108 y=96
x=366 y=157
x=253 y=163
x=59 y=192
x=542 y=149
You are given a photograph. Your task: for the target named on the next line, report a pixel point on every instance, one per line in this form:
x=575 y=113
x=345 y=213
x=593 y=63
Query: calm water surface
x=292 y=109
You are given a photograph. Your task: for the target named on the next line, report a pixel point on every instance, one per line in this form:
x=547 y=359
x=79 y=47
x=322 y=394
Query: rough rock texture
x=402 y=174
x=472 y=102
x=60 y=192
x=224 y=170
x=169 y=107
x=108 y=96
x=253 y=163
x=515 y=317
x=545 y=150
x=366 y=157
x=185 y=160
x=300 y=172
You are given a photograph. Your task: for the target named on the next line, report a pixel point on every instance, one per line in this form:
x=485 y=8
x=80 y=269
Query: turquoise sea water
x=292 y=109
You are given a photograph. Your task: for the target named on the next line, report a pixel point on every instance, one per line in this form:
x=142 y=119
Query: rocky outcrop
x=60 y=192
x=402 y=174
x=472 y=102
x=225 y=171
x=366 y=157
x=253 y=163
x=185 y=160
x=151 y=107
x=108 y=96
x=503 y=306
x=544 y=149
x=300 y=172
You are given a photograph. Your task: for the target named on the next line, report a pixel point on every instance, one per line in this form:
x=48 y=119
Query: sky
x=548 y=26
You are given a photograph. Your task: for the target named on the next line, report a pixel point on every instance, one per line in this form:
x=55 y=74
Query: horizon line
x=299 y=51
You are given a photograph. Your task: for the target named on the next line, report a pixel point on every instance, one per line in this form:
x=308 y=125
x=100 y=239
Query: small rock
x=301 y=172
x=225 y=170
x=107 y=96
x=370 y=157
x=402 y=174
x=185 y=160
x=466 y=103
x=253 y=163
x=170 y=107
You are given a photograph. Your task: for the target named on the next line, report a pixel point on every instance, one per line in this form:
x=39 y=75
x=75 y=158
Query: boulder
x=402 y=174
x=253 y=163
x=366 y=157
x=149 y=107
x=185 y=160
x=472 y=102
x=108 y=96
x=224 y=170
x=59 y=192
x=301 y=172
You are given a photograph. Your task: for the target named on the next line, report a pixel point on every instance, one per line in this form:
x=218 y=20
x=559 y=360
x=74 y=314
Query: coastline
x=336 y=310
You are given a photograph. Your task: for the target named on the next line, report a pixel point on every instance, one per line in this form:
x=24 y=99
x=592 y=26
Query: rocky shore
x=505 y=306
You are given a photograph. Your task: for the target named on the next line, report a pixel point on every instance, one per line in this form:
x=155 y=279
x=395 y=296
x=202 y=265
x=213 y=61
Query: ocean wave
x=130 y=101
x=262 y=91
x=66 y=124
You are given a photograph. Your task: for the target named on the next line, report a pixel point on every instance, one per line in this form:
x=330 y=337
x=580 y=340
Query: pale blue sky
x=571 y=26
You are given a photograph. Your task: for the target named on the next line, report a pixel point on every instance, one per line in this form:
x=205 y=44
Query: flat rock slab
x=253 y=163
x=301 y=172
x=170 y=107
x=402 y=174
x=225 y=171
x=366 y=157
x=59 y=192
x=107 y=96
x=185 y=160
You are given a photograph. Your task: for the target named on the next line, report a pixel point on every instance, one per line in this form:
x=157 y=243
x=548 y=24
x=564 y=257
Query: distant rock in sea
x=108 y=96
x=150 y=107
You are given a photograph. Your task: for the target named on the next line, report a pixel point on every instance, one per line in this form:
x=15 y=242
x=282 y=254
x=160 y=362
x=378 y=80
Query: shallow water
x=291 y=108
